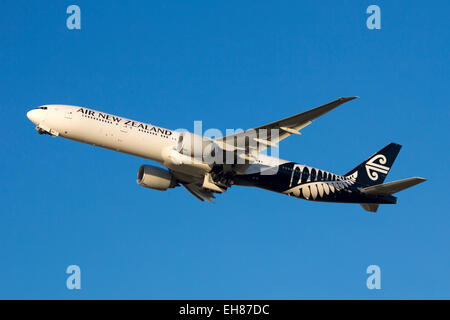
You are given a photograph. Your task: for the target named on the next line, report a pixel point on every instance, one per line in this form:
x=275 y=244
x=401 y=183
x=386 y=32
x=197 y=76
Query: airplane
x=196 y=162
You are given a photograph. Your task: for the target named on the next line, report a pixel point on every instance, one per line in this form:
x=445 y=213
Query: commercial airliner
x=206 y=166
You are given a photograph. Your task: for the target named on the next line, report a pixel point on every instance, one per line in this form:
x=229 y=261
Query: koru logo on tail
x=375 y=166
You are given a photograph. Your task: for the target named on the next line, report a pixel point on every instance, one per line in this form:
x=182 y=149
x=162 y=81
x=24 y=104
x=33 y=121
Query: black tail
x=375 y=169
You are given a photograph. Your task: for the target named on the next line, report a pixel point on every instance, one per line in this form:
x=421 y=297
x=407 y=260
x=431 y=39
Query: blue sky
x=231 y=64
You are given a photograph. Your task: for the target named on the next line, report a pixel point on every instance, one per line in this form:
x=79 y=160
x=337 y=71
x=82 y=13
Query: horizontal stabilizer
x=392 y=187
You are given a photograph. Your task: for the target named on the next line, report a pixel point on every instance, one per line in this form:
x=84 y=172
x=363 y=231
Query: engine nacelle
x=193 y=145
x=155 y=178
x=203 y=149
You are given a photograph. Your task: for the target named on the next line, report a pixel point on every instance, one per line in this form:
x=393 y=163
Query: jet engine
x=201 y=148
x=155 y=178
x=193 y=145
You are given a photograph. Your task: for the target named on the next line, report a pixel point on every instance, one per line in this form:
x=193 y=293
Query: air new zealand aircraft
x=202 y=165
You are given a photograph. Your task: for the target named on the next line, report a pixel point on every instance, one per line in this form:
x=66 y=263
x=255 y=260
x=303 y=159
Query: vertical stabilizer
x=375 y=169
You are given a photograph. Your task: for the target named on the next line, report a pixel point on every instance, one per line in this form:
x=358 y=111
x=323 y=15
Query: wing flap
x=199 y=192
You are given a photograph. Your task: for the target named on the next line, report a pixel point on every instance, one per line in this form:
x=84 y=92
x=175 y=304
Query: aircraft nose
x=34 y=116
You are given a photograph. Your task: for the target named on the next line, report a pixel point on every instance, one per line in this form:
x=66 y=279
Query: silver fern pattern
x=318 y=189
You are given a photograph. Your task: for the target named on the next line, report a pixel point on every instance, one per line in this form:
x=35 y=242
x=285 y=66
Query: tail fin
x=375 y=169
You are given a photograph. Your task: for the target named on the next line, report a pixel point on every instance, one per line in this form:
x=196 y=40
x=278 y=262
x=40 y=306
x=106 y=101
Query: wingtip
x=346 y=99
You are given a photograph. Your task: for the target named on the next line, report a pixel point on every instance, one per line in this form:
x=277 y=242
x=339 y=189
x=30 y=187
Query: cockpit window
x=43 y=108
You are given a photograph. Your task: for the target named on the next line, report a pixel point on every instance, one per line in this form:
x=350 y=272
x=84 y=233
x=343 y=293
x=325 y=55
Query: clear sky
x=231 y=64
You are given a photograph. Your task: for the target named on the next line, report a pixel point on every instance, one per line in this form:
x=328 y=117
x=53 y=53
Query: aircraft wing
x=200 y=193
x=287 y=126
x=203 y=187
x=217 y=180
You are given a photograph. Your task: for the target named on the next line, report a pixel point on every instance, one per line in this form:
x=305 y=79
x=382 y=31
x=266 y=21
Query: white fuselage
x=104 y=130
x=120 y=134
